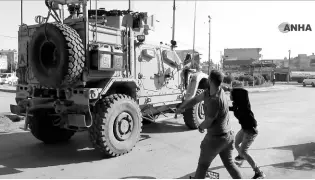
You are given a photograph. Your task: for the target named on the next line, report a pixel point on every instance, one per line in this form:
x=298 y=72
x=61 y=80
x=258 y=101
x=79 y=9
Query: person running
x=219 y=138
x=248 y=133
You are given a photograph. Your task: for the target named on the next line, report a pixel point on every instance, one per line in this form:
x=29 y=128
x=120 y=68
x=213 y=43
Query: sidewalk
x=277 y=87
x=290 y=83
x=7 y=88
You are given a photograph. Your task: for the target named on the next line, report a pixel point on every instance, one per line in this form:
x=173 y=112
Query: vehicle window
x=171 y=58
x=2 y=76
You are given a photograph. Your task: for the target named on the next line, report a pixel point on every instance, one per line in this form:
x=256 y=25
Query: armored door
x=148 y=70
x=172 y=76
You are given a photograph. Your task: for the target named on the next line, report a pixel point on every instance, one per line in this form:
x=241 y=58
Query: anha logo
x=286 y=27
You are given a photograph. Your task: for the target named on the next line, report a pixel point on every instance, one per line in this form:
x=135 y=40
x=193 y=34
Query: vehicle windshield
x=3 y=75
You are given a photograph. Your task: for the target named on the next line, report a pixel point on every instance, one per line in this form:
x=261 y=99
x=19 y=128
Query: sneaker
x=239 y=158
x=259 y=175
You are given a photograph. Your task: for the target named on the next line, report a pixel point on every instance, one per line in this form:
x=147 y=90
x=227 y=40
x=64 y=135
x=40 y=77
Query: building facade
x=234 y=59
x=303 y=62
x=242 y=54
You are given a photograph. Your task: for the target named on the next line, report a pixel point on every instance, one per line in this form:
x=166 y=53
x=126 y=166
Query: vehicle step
x=164 y=118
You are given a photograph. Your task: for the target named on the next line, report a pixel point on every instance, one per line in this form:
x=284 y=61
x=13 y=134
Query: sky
x=234 y=24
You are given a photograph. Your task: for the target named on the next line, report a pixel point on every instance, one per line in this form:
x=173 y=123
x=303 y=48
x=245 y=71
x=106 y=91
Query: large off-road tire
x=117 y=125
x=56 y=55
x=41 y=126
x=194 y=116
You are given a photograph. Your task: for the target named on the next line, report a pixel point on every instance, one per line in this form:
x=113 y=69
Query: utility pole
x=221 y=60
x=288 y=76
x=173 y=27
x=21 y=12
x=193 y=58
x=209 y=57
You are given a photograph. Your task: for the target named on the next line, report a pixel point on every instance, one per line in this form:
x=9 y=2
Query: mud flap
x=193 y=85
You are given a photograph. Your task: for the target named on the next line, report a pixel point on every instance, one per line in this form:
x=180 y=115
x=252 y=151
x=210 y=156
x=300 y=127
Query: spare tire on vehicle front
x=56 y=55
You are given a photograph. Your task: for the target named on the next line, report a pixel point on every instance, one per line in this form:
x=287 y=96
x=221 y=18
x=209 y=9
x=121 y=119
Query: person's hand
x=201 y=130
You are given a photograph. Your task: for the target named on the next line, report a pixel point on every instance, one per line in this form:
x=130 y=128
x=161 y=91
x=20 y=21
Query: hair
x=216 y=77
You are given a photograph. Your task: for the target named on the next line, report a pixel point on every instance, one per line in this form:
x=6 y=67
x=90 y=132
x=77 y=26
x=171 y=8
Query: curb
x=8 y=90
x=266 y=90
x=270 y=90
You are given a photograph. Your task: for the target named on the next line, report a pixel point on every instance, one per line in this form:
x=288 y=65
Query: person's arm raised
x=190 y=103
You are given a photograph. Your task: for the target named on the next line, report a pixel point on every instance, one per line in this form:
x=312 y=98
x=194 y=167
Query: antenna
x=173 y=27
x=21 y=12
x=193 y=58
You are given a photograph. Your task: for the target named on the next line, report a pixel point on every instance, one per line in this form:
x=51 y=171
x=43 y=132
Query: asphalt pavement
x=284 y=148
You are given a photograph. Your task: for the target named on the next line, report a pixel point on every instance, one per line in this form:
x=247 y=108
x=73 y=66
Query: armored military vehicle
x=94 y=71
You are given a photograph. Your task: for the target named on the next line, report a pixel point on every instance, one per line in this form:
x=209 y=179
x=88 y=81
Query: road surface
x=284 y=148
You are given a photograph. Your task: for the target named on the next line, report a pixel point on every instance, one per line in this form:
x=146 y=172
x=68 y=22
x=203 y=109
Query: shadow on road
x=304 y=157
x=13 y=117
x=22 y=150
x=164 y=127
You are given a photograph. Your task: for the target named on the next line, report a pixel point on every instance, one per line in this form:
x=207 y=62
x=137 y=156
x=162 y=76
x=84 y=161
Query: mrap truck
x=89 y=73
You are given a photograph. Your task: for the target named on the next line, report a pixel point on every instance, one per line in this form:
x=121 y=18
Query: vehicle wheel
x=194 y=116
x=41 y=126
x=304 y=84
x=57 y=55
x=313 y=85
x=117 y=125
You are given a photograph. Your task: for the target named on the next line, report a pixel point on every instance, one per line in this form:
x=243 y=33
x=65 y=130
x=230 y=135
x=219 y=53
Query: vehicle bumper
x=18 y=110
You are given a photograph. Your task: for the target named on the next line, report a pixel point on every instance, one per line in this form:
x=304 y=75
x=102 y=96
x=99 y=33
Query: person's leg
x=209 y=149
x=226 y=157
x=238 y=141
x=248 y=139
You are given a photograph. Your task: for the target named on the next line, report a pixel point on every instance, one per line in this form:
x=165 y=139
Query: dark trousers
x=210 y=147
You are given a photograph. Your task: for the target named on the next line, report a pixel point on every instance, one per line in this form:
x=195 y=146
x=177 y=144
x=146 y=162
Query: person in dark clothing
x=246 y=136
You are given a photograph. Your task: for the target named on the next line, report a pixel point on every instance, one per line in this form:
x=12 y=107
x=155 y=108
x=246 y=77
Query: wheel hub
x=123 y=126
